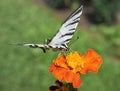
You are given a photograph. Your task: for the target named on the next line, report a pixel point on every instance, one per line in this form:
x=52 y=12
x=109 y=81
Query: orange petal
x=73 y=78
x=91 y=62
x=61 y=61
x=52 y=67
x=77 y=81
x=68 y=76
x=57 y=72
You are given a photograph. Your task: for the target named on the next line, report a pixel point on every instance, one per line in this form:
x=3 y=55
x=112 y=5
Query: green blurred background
x=30 y=21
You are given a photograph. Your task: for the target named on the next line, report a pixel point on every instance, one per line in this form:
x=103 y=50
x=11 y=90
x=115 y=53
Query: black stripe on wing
x=67 y=40
x=33 y=46
x=67 y=34
x=78 y=18
x=72 y=29
x=74 y=13
x=74 y=22
x=65 y=46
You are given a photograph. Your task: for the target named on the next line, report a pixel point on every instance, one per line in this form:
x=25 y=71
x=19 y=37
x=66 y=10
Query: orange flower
x=69 y=67
x=61 y=71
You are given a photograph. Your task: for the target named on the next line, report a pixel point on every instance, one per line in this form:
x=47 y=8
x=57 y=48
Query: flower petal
x=60 y=61
x=57 y=71
x=77 y=81
x=73 y=78
x=91 y=62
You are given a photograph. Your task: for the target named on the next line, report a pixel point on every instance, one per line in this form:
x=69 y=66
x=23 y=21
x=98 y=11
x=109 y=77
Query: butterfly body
x=65 y=33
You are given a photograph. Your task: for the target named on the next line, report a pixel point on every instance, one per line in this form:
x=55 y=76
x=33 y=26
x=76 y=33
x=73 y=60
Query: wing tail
x=32 y=45
x=42 y=46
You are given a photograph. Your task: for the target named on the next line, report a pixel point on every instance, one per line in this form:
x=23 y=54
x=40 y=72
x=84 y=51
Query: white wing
x=67 y=29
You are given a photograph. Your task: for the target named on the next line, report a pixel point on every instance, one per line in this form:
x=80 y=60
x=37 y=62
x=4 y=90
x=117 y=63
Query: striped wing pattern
x=67 y=30
x=65 y=33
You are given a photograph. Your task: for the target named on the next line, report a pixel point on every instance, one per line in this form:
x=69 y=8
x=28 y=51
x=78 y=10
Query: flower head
x=71 y=66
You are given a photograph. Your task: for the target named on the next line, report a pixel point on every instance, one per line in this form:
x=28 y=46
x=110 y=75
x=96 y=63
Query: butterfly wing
x=44 y=47
x=60 y=40
x=67 y=29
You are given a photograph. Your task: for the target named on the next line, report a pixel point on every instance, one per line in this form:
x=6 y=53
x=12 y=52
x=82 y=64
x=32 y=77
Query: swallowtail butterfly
x=63 y=36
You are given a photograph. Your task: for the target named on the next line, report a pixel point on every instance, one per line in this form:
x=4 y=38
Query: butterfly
x=63 y=36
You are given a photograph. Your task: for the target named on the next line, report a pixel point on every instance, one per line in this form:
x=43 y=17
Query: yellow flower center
x=74 y=61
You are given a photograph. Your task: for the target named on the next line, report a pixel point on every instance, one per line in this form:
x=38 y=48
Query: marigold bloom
x=69 y=67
